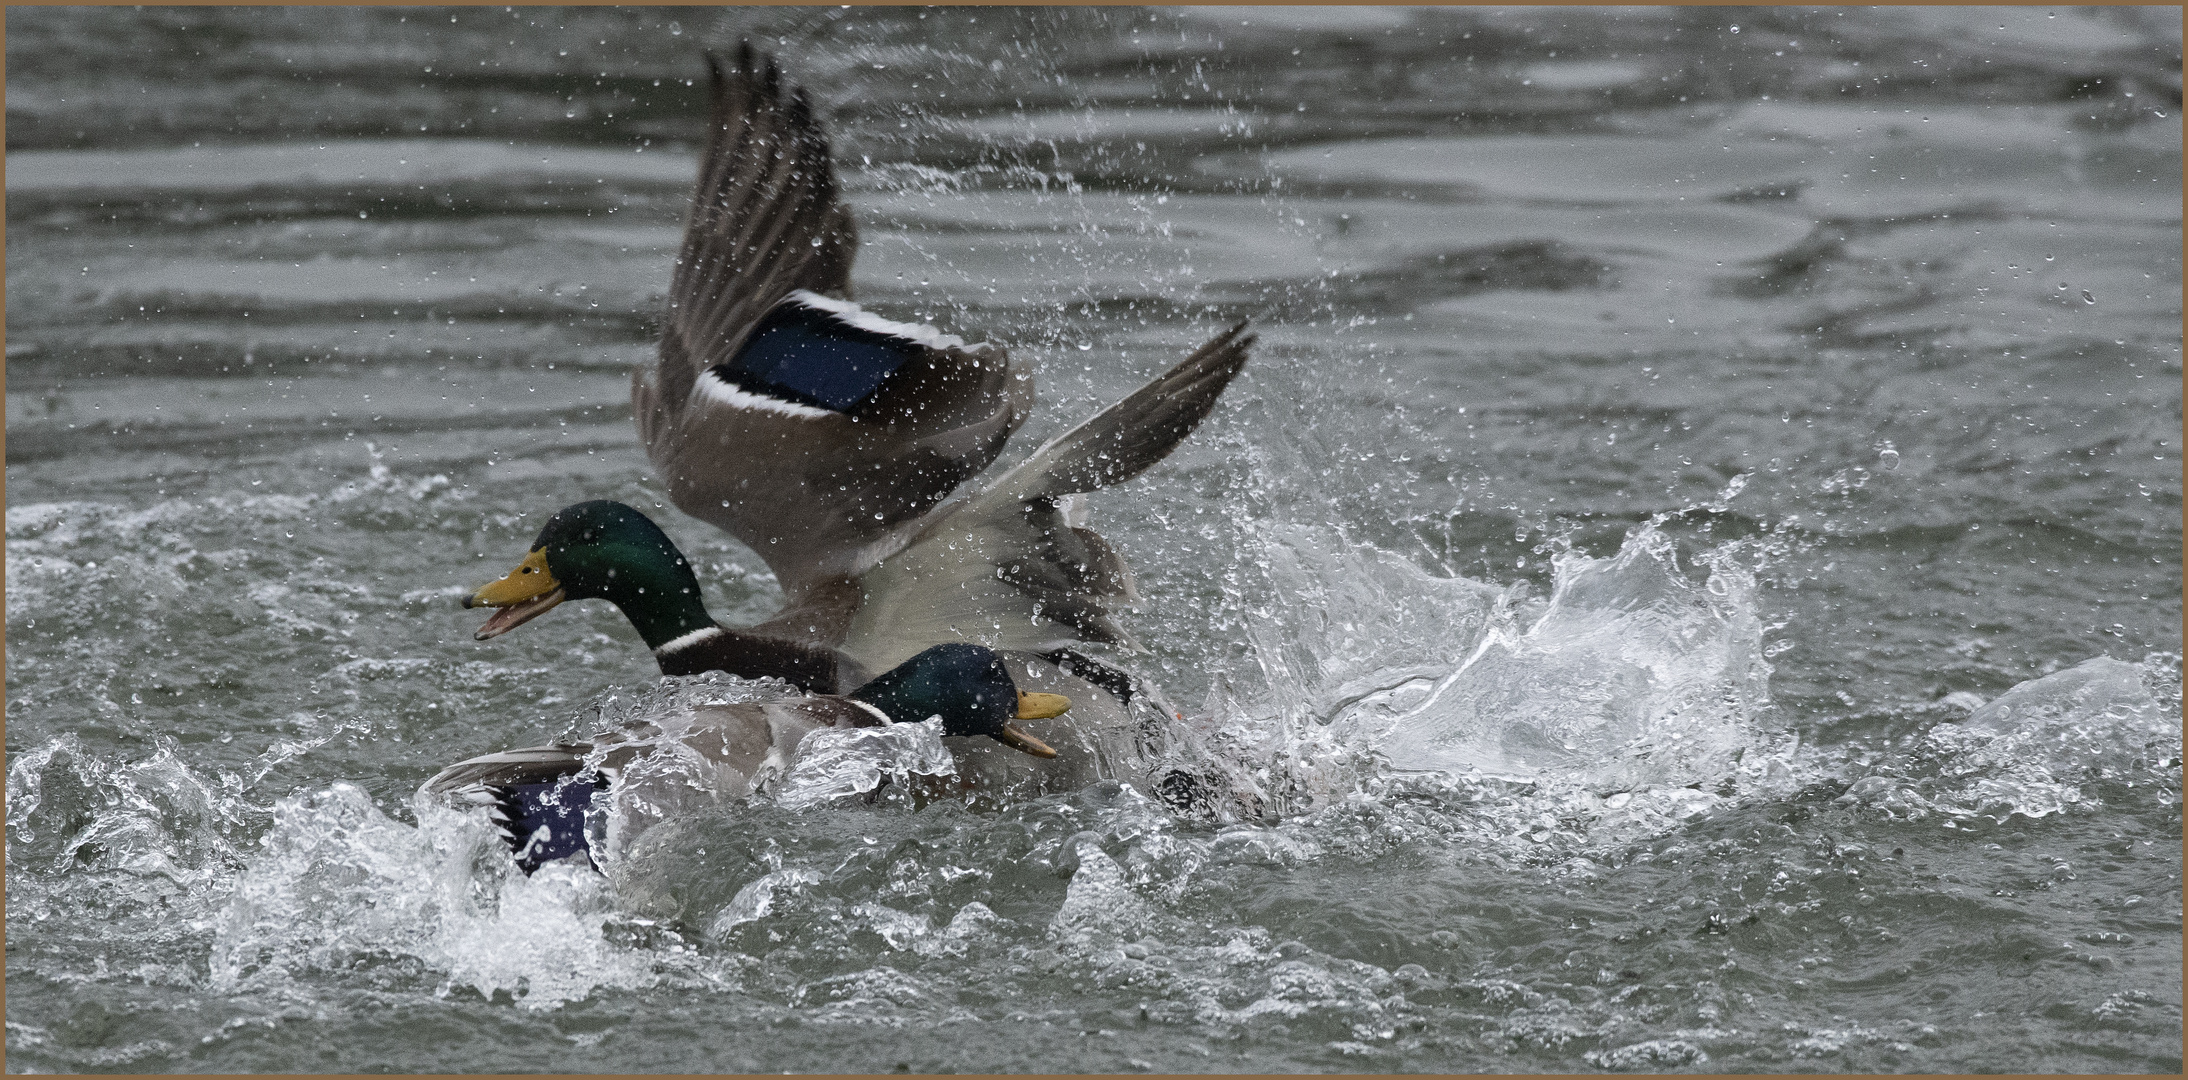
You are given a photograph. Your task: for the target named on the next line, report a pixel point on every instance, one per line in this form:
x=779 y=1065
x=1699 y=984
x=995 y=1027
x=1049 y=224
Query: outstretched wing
x=779 y=411
x=1121 y=441
x=1013 y=565
x=765 y=219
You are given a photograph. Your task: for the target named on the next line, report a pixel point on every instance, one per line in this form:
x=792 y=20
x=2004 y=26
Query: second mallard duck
x=540 y=797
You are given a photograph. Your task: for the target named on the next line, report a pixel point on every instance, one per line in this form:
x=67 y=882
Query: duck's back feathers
x=530 y=765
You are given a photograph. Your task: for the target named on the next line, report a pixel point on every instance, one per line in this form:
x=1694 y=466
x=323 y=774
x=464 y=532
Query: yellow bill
x=1020 y=741
x=525 y=594
x=1033 y=707
x=1041 y=706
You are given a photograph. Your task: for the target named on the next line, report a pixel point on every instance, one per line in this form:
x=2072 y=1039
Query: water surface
x=1689 y=581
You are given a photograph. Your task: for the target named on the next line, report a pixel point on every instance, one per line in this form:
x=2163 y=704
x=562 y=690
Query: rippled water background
x=1691 y=575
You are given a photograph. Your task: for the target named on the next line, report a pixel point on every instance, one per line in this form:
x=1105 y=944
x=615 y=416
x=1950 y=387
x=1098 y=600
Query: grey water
x=1690 y=579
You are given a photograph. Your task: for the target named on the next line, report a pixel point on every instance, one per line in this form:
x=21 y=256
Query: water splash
x=2036 y=749
x=1629 y=674
x=672 y=779
x=72 y=812
x=340 y=885
x=834 y=763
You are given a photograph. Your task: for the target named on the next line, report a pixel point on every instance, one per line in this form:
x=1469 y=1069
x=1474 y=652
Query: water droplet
x=675 y=29
x=1888 y=459
x=2086 y=298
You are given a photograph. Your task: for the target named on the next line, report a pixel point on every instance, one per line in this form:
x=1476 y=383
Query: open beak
x=1019 y=740
x=1033 y=707
x=524 y=595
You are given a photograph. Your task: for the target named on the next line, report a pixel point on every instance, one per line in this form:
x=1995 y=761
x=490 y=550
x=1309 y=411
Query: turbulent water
x=1689 y=580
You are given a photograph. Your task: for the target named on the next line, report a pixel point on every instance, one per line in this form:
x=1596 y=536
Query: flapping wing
x=1121 y=441
x=780 y=412
x=765 y=219
x=1014 y=565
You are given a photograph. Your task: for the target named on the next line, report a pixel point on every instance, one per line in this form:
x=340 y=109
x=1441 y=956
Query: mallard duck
x=538 y=796
x=829 y=440
x=606 y=550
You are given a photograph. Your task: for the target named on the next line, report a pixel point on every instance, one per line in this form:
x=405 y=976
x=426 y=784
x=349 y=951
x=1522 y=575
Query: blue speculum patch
x=810 y=356
x=558 y=806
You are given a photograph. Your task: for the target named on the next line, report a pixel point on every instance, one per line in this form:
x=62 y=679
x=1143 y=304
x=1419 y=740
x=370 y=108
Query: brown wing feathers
x=765 y=218
x=1124 y=439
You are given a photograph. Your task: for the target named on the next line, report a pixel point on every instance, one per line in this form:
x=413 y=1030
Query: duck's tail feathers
x=535 y=798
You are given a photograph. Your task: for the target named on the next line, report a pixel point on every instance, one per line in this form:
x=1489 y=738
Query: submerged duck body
x=562 y=799
x=838 y=444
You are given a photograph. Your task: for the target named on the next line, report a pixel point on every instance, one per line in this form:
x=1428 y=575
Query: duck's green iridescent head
x=600 y=550
x=969 y=688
